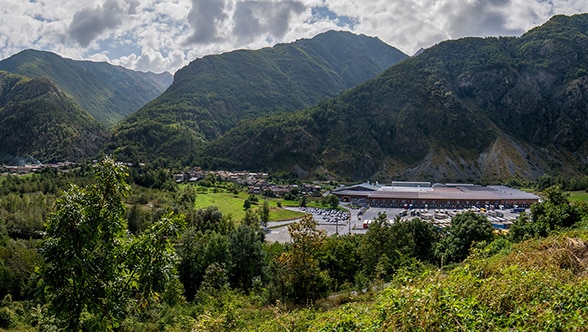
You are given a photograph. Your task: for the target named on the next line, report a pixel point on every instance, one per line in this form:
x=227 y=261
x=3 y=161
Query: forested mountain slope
x=109 y=93
x=39 y=121
x=474 y=109
x=211 y=94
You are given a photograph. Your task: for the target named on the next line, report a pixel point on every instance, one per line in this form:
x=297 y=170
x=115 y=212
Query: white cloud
x=160 y=35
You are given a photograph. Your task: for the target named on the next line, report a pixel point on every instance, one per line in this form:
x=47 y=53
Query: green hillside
x=474 y=109
x=109 y=93
x=39 y=121
x=537 y=285
x=212 y=94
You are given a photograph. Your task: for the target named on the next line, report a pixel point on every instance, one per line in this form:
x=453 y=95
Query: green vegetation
x=94 y=275
x=109 y=93
x=464 y=110
x=576 y=196
x=231 y=204
x=149 y=260
x=39 y=121
x=212 y=94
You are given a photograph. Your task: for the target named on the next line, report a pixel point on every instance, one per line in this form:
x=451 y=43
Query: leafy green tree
x=198 y=251
x=212 y=219
x=264 y=212
x=247 y=256
x=94 y=273
x=554 y=212
x=340 y=257
x=137 y=219
x=465 y=229
x=378 y=241
x=18 y=260
x=420 y=238
x=332 y=201
x=303 y=201
x=301 y=275
x=246 y=204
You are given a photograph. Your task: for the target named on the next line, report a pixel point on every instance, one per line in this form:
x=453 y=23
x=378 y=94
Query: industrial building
x=443 y=196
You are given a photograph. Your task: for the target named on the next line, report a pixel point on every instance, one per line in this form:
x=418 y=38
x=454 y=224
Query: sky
x=165 y=35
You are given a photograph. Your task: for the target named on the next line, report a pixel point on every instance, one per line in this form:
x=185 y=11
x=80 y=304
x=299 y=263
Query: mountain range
x=350 y=107
x=212 y=94
x=473 y=109
x=109 y=93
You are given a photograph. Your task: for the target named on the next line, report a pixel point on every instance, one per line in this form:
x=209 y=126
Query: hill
x=109 y=93
x=474 y=109
x=39 y=121
x=211 y=94
x=539 y=284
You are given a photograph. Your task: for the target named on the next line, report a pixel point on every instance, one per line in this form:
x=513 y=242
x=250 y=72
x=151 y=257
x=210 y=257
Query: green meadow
x=231 y=204
x=578 y=196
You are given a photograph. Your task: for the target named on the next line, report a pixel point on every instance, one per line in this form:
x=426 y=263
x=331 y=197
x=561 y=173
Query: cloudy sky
x=164 y=35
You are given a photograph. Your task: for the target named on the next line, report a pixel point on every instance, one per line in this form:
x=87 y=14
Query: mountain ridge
x=110 y=93
x=474 y=109
x=211 y=94
x=38 y=121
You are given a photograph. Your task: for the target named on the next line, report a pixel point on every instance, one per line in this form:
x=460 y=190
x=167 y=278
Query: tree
x=264 y=212
x=93 y=269
x=332 y=201
x=465 y=229
x=301 y=275
x=339 y=255
x=303 y=201
x=555 y=212
x=375 y=243
x=246 y=204
x=198 y=251
x=247 y=255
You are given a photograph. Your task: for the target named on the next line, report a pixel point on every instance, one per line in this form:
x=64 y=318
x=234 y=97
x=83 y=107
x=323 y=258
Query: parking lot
x=352 y=223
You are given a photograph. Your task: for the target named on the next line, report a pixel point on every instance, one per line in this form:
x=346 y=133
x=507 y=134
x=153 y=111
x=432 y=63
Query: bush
x=6 y=318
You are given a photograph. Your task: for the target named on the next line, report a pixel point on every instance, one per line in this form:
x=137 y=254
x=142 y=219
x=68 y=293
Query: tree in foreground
x=466 y=229
x=301 y=276
x=554 y=213
x=95 y=273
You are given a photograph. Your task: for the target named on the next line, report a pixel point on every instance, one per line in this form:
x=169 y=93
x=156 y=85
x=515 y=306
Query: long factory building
x=424 y=195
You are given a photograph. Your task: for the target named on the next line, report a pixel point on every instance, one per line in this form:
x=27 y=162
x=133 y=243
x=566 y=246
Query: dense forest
x=91 y=249
x=40 y=122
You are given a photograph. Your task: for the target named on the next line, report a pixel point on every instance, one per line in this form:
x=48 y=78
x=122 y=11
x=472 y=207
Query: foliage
x=212 y=94
x=247 y=256
x=93 y=271
x=18 y=260
x=536 y=285
x=264 y=212
x=437 y=115
x=466 y=229
x=340 y=257
x=553 y=213
x=300 y=273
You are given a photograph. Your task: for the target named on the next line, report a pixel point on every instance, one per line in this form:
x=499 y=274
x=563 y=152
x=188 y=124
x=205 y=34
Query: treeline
x=107 y=261
x=545 y=181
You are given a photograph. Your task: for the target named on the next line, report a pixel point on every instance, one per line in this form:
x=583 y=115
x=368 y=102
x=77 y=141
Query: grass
x=578 y=196
x=231 y=204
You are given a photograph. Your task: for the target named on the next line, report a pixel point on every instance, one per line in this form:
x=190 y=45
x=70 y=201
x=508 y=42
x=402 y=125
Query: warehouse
x=425 y=195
